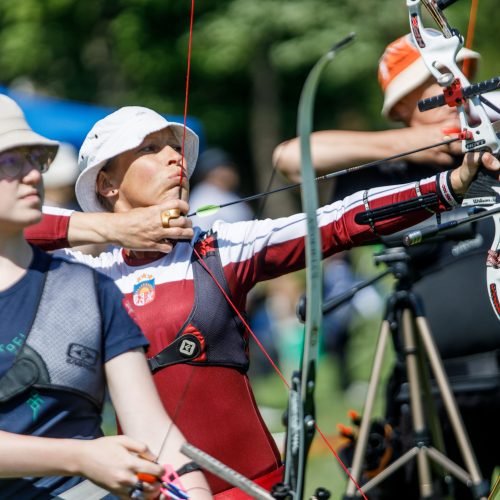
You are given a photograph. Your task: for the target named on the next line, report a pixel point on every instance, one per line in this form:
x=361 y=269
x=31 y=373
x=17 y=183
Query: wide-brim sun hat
x=121 y=131
x=15 y=131
x=401 y=69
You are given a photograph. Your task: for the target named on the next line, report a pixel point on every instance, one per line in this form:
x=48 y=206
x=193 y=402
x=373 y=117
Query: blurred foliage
x=135 y=51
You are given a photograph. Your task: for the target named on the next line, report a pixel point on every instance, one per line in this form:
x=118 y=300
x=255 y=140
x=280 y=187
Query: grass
x=332 y=405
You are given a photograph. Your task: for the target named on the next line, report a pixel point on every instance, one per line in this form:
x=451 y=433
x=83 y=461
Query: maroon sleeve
x=51 y=233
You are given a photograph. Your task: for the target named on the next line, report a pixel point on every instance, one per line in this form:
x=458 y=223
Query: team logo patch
x=144 y=290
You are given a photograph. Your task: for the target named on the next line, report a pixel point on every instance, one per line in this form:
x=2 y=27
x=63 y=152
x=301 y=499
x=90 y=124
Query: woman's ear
x=105 y=185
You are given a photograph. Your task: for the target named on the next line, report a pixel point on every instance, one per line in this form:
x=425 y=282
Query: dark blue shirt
x=52 y=413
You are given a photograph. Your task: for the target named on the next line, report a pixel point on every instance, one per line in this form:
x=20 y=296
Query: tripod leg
x=417 y=410
x=451 y=408
x=364 y=428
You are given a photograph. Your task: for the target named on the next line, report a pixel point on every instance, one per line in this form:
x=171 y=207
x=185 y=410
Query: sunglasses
x=17 y=162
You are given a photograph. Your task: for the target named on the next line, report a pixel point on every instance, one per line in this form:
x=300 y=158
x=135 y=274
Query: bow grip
x=484 y=190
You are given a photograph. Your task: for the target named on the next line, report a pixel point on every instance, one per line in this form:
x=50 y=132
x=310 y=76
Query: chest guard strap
x=212 y=335
x=63 y=349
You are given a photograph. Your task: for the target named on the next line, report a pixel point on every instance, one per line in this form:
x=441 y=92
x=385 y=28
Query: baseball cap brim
x=412 y=77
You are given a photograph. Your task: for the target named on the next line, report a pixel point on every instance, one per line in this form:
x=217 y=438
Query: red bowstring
x=470 y=36
x=230 y=302
x=186 y=96
x=266 y=354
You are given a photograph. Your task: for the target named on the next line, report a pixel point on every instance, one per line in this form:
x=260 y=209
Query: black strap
x=186 y=469
x=181 y=350
x=396 y=209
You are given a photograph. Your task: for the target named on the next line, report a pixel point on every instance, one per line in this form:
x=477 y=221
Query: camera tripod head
x=399 y=264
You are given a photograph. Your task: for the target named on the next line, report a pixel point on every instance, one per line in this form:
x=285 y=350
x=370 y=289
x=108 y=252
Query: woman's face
x=146 y=175
x=21 y=187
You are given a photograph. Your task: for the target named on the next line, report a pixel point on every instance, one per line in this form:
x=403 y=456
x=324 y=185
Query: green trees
x=249 y=60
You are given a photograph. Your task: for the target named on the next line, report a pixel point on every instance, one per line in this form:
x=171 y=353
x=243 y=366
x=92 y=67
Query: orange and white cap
x=401 y=69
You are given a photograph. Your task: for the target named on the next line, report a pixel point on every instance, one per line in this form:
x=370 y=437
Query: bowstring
x=173 y=418
x=186 y=95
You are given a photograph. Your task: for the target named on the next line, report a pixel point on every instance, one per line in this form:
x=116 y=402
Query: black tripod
x=405 y=320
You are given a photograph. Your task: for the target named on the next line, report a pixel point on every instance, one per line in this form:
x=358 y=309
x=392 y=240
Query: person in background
x=132 y=160
x=217 y=182
x=450 y=275
x=59 y=180
x=64 y=334
x=59 y=185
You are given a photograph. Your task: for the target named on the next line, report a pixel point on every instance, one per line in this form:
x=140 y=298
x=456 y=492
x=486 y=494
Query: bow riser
x=439 y=55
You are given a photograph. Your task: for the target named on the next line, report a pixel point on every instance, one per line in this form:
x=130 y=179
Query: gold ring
x=166 y=215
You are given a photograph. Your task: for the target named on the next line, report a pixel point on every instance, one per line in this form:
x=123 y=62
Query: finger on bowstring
x=180 y=222
x=182 y=205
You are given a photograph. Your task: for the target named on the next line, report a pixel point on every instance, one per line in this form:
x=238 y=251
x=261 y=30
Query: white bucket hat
x=401 y=69
x=118 y=132
x=15 y=131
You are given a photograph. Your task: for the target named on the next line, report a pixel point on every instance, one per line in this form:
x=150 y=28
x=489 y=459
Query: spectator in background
x=59 y=180
x=217 y=182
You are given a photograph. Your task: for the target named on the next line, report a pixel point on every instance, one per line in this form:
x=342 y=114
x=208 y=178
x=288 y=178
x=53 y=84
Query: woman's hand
x=113 y=463
x=462 y=176
x=142 y=228
x=137 y=229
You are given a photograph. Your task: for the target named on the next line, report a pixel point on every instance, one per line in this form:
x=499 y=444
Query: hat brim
x=85 y=187
x=411 y=78
x=21 y=138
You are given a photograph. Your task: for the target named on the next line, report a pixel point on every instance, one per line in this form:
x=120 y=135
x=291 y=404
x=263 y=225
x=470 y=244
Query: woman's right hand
x=142 y=229
x=113 y=463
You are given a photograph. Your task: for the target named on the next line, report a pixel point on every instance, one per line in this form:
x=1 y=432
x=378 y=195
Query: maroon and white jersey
x=214 y=406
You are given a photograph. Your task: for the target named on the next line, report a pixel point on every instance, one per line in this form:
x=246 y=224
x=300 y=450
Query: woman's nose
x=172 y=155
x=32 y=176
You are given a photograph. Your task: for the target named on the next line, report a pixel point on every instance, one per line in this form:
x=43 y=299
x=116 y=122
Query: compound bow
x=439 y=55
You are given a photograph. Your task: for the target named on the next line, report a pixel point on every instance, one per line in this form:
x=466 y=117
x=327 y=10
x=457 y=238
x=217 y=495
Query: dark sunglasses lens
x=11 y=164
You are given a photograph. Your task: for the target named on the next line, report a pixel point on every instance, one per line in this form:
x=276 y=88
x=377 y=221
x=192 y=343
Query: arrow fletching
x=206 y=210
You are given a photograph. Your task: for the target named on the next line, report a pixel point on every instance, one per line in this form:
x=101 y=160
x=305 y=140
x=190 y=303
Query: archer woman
x=131 y=162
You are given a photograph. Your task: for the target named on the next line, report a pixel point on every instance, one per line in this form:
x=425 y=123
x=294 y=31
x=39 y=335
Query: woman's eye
x=149 y=148
x=177 y=148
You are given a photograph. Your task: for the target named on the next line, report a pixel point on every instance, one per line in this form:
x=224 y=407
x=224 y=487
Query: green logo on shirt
x=14 y=345
x=35 y=401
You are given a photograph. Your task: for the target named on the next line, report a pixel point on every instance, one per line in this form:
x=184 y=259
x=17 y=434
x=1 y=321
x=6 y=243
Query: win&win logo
x=83 y=356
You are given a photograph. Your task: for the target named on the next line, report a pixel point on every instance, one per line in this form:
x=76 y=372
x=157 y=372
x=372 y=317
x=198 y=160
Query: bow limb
x=301 y=413
x=440 y=52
